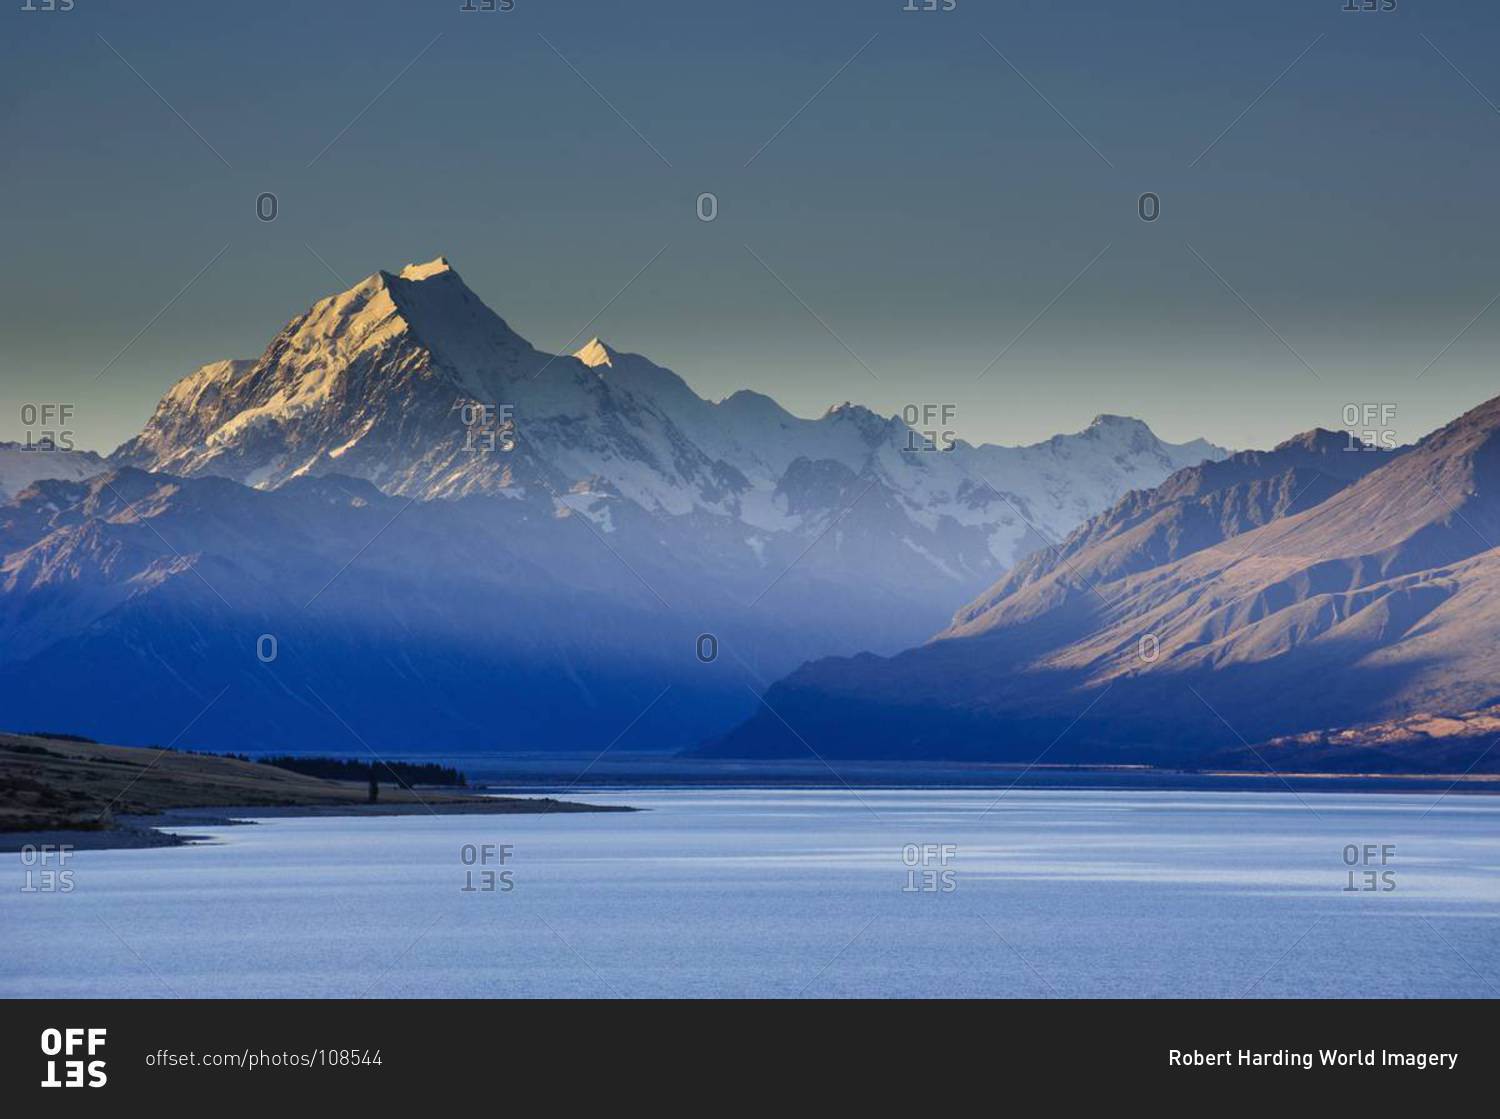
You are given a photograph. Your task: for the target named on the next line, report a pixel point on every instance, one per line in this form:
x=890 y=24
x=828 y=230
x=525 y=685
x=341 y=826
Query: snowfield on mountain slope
x=21 y=465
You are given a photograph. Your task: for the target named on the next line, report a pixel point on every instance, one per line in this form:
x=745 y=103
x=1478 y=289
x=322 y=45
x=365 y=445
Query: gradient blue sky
x=926 y=205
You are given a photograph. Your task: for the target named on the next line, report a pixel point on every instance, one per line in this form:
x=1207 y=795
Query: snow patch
x=423 y=271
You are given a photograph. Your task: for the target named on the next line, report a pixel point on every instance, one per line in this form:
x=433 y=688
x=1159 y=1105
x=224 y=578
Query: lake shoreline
x=94 y=796
x=136 y=832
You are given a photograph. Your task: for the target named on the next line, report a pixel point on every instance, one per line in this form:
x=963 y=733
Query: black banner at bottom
x=78 y=1056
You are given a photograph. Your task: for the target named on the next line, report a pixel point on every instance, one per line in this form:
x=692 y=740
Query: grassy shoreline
x=92 y=795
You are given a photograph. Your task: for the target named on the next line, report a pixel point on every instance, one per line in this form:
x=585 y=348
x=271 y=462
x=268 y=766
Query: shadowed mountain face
x=328 y=614
x=454 y=541
x=1269 y=594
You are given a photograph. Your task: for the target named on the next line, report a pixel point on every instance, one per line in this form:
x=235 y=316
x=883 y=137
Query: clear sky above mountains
x=914 y=187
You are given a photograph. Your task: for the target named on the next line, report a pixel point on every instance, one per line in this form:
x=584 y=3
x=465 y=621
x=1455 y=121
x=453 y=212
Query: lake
x=784 y=893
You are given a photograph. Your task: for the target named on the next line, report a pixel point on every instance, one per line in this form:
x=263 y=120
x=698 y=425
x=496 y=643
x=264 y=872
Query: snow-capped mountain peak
x=423 y=271
x=595 y=353
x=410 y=381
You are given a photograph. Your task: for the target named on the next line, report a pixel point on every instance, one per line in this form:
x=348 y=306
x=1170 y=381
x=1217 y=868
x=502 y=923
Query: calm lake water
x=784 y=893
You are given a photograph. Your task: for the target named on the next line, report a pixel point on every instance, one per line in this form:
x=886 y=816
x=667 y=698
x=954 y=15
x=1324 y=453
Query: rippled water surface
x=786 y=893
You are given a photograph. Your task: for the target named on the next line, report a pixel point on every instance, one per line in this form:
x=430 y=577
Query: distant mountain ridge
x=1265 y=596
x=1194 y=509
x=22 y=464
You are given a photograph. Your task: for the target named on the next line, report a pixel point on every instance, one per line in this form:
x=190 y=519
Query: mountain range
x=1293 y=595
x=405 y=526
x=411 y=382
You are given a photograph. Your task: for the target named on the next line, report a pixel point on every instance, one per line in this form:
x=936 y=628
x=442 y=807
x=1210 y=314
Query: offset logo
x=47 y=870
x=68 y=1052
